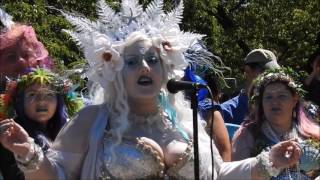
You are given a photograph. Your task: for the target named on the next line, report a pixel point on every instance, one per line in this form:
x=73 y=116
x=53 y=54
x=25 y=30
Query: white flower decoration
x=106 y=58
x=171 y=50
x=112 y=63
x=98 y=38
x=172 y=55
x=292 y=84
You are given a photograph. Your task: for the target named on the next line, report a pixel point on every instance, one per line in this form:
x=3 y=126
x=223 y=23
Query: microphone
x=175 y=86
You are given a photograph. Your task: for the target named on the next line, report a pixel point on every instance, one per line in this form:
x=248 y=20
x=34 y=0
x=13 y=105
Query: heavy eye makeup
x=135 y=60
x=132 y=61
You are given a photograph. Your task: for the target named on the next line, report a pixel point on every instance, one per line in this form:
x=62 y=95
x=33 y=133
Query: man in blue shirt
x=256 y=62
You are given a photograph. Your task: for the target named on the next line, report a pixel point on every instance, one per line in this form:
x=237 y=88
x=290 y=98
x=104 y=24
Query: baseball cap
x=263 y=57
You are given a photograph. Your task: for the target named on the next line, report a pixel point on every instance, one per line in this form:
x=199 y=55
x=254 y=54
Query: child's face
x=40 y=103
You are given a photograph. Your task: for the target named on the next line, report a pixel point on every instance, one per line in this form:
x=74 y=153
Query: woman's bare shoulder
x=85 y=117
x=77 y=129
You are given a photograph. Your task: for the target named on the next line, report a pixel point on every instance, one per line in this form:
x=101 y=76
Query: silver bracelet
x=265 y=166
x=33 y=159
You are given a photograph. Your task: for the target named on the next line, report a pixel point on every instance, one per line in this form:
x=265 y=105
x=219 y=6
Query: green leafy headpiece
x=40 y=76
x=44 y=77
x=284 y=74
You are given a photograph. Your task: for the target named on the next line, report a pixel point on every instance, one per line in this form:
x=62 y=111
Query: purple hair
x=42 y=136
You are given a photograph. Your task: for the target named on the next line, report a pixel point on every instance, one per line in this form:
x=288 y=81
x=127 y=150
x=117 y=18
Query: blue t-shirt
x=234 y=110
x=206 y=105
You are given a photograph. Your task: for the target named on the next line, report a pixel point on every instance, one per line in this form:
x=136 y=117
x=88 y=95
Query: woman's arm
x=220 y=134
x=65 y=157
x=242 y=144
x=63 y=160
x=271 y=163
x=46 y=171
x=14 y=138
x=264 y=166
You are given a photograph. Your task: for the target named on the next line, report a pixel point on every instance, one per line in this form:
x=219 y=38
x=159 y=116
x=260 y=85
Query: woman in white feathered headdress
x=140 y=131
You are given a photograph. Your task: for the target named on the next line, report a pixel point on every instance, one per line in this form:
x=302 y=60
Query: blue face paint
x=134 y=61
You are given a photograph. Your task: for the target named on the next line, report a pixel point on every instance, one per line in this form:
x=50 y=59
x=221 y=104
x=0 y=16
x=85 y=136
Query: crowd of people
x=134 y=127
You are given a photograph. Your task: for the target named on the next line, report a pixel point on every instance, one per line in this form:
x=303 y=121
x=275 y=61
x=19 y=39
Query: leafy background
x=290 y=28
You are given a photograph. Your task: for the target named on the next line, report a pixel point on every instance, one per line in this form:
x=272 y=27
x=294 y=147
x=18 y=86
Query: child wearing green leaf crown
x=41 y=103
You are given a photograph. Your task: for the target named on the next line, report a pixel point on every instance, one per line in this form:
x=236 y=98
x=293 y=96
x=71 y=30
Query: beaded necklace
x=273 y=136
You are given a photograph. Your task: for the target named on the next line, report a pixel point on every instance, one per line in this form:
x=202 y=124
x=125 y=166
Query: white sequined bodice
x=133 y=158
x=128 y=161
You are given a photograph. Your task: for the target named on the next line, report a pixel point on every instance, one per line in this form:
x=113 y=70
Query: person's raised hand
x=14 y=138
x=285 y=154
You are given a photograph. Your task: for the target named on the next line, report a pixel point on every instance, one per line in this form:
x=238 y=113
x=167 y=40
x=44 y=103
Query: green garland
x=283 y=74
x=39 y=76
x=61 y=86
x=6 y=107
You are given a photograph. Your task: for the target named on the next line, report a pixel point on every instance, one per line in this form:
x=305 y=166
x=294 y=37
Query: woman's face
x=13 y=61
x=278 y=103
x=143 y=72
x=40 y=103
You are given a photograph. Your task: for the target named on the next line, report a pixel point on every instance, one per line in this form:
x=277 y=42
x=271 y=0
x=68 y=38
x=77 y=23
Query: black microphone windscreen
x=174 y=86
x=171 y=86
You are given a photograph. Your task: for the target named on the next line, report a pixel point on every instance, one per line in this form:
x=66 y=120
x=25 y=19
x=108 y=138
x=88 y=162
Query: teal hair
x=168 y=109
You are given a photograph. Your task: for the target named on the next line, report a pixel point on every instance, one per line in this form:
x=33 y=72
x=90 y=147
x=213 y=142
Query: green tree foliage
x=289 y=28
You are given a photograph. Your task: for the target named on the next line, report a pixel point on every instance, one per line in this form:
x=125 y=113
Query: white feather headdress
x=6 y=19
x=102 y=40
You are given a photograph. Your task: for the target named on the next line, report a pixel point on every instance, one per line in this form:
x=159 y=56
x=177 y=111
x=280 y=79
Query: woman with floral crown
x=278 y=115
x=140 y=131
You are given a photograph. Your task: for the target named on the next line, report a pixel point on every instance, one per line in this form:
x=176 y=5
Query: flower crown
x=6 y=108
x=283 y=74
x=43 y=77
x=103 y=41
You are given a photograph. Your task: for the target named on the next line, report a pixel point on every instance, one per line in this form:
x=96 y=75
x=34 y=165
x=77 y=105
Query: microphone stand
x=194 y=106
